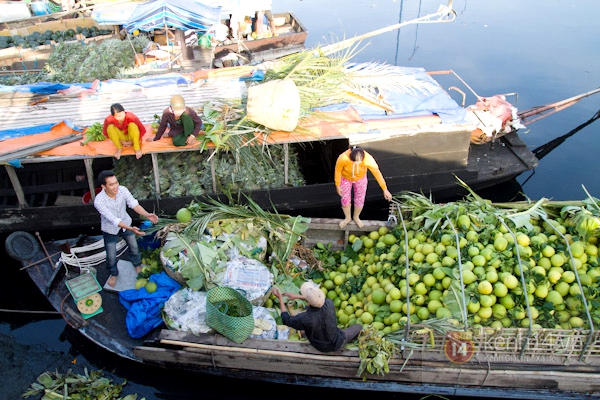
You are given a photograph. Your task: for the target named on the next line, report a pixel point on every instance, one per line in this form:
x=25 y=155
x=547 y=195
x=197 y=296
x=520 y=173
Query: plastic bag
x=249 y=276
x=186 y=311
x=265 y=326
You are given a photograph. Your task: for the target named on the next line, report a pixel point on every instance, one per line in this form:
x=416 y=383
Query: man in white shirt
x=115 y=222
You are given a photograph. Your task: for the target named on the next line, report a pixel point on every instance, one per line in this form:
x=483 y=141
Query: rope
x=88 y=261
x=28 y=311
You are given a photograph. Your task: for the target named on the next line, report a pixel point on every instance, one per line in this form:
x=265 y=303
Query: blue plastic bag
x=143 y=308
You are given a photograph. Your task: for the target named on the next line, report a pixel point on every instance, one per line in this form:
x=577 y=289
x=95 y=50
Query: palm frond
x=384 y=76
x=281 y=231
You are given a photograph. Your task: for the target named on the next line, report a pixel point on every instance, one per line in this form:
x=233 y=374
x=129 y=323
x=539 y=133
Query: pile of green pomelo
x=495 y=277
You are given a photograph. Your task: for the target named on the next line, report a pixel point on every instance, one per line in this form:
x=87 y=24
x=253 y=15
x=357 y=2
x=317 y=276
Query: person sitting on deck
x=183 y=122
x=115 y=222
x=319 y=321
x=124 y=129
x=351 y=175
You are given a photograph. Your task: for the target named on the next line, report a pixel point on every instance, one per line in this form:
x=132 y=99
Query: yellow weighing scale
x=84 y=290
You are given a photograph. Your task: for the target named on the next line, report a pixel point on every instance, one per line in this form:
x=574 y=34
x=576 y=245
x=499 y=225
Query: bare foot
x=138 y=269
x=138 y=154
x=118 y=154
x=343 y=223
x=112 y=281
x=358 y=222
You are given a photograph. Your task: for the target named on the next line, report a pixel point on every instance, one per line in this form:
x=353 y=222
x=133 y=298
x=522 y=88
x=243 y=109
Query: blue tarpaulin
x=105 y=86
x=42 y=87
x=30 y=130
x=425 y=97
x=143 y=308
x=178 y=14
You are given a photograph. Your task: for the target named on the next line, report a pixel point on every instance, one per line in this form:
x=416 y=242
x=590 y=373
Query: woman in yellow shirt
x=351 y=174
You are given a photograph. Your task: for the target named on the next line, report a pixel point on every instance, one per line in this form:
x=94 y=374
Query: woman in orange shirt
x=351 y=174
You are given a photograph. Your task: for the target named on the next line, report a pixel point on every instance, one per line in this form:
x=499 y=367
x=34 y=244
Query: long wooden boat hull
x=497 y=368
x=407 y=164
x=290 y=39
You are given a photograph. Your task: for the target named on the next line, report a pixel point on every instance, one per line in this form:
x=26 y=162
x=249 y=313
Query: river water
x=545 y=50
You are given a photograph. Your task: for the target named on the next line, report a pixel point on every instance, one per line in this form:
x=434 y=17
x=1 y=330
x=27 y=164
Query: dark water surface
x=545 y=50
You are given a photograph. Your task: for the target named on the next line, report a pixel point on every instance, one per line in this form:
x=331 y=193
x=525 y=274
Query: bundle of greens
x=90 y=385
x=93 y=134
x=199 y=250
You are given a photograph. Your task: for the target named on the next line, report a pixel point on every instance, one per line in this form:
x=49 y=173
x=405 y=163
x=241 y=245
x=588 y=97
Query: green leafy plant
x=93 y=134
x=89 y=385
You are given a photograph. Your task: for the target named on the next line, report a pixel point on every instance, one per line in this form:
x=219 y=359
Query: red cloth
x=129 y=117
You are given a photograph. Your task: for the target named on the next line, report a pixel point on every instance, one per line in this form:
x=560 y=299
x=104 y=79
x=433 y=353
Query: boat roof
x=67 y=109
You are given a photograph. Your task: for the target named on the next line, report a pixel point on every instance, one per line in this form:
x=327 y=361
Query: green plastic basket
x=229 y=313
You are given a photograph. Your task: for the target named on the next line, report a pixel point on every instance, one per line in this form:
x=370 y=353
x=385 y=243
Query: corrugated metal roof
x=84 y=111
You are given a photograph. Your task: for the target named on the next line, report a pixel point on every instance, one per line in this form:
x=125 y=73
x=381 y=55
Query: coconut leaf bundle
x=281 y=231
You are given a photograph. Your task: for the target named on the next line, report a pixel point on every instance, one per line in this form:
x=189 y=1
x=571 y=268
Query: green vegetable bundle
x=93 y=134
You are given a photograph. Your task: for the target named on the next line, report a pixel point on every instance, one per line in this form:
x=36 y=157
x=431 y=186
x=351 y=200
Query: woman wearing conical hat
x=183 y=123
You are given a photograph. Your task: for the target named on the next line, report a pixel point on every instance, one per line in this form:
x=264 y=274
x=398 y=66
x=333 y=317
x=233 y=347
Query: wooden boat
x=418 y=153
x=290 y=38
x=31 y=56
x=552 y=363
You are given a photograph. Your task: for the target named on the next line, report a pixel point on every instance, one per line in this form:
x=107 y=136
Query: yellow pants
x=117 y=136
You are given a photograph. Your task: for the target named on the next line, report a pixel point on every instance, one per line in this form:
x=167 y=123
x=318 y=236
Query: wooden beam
x=286 y=162
x=260 y=351
x=14 y=179
x=213 y=173
x=89 y=171
x=13 y=155
x=155 y=172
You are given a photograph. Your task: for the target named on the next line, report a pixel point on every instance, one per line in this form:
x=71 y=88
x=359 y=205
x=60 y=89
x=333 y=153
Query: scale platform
x=84 y=290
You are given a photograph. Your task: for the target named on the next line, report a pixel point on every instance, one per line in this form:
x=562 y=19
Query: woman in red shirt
x=124 y=129
x=351 y=174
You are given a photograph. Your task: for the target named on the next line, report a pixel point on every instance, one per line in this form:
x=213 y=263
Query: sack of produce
x=274 y=104
x=186 y=311
x=229 y=313
x=249 y=276
x=265 y=326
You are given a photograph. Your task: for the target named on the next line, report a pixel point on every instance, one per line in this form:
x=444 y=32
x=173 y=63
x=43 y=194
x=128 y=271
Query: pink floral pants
x=360 y=191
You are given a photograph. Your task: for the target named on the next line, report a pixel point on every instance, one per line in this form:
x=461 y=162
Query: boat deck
x=494 y=372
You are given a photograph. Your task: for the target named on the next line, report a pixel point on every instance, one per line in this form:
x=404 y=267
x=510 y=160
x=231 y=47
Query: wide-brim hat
x=177 y=103
x=313 y=294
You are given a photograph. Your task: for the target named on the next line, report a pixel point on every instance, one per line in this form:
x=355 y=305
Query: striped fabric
x=178 y=14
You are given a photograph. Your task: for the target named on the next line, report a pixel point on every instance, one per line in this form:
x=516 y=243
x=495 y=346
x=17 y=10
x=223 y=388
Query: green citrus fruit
x=366 y=318
x=500 y=290
x=500 y=243
x=510 y=281
x=140 y=283
x=554 y=297
x=151 y=287
x=389 y=239
x=183 y=215
x=395 y=306
x=464 y=222
x=485 y=287
x=378 y=296
x=433 y=305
